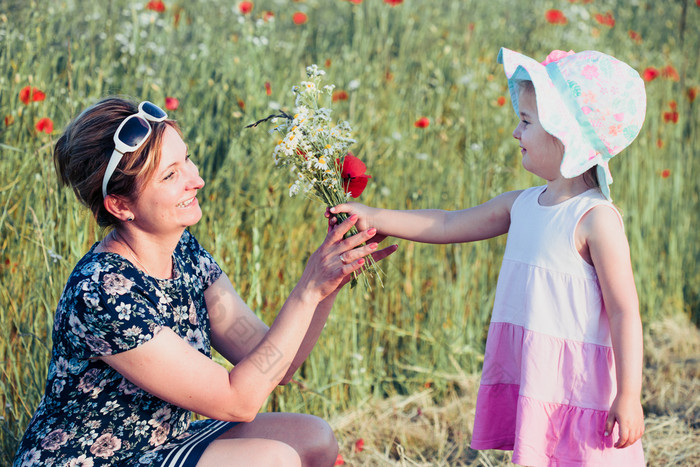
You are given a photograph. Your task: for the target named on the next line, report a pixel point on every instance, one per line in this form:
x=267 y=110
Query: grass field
x=418 y=342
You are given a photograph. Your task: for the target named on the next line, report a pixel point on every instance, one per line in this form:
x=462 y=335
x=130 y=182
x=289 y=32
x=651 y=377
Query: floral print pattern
x=91 y=415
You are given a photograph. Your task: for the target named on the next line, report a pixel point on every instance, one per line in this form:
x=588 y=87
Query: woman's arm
x=486 y=220
x=171 y=369
x=609 y=252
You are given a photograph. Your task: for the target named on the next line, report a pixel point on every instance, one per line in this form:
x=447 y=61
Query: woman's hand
x=627 y=413
x=331 y=266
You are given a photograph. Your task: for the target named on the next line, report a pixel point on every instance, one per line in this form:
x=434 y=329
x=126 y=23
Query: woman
x=132 y=333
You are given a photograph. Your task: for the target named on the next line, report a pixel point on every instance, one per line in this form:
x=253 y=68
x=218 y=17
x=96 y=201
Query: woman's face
x=167 y=201
x=542 y=153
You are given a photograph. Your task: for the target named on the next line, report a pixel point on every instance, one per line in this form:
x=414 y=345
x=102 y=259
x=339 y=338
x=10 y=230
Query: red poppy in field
x=665 y=173
x=659 y=143
x=268 y=88
x=340 y=95
x=245 y=7
x=268 y=15
x=359 y=445
x=328 y=63
x=353 y=174
x=29 y=93
x=299 y=18
x=172 y=103
x=422 y=122
x=393 y=2
x=554 y=16
x=692 y=94
x=635 y=36
x=501 y=101
x=241 y=104
x=669 y=72
x=44 y=125
x=339 y=460
x=671 y=117
x=606 y=20
x=9 y=120
x=156 y=5
x=650 y=74
x=356 y=2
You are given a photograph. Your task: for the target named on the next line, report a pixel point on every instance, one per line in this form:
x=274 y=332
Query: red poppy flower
x=340 y=95
x=9 y=120
x=501 y=101
x=673 y=105
x=24 y=94
x=37 y=95
x=353 y=174
x=357 y=2
x=635 y=36
x=422 y=122
x=241 y=104
x=393 y=2
x=44 y=125
x=268 y=88
x=665 y=173
x=156 y=5
x=606 y=20
x=339 y=460
x=555 y=17
x=359 y=445
x=245 y=7
x=299 y=17
x=328 y=63
x=268 y=15
x=172 y=103
x=669 y=72
x=659 y=143
x=692 y=92
x=671 y=117
x=650 y=74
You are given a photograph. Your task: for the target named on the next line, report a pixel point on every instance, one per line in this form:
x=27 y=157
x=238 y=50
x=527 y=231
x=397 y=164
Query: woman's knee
x=320 y=446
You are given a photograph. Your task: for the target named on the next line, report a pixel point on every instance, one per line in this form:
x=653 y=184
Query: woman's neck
x=151 y=254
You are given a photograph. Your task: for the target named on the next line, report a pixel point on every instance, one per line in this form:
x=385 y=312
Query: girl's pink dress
x=549 y=376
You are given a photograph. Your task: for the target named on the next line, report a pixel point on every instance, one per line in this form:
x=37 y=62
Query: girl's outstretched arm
x=609 y=252
x=486 y=220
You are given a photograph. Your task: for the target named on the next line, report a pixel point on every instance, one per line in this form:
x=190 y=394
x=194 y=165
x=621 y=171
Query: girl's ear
x=118 y=207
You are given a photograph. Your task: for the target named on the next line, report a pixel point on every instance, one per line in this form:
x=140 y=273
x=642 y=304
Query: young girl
x=561 y=379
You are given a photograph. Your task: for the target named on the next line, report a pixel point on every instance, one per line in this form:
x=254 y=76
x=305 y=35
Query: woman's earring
x=130 y=218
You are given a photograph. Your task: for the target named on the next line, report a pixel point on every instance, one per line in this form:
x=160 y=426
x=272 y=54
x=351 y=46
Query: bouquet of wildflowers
x=315 y=150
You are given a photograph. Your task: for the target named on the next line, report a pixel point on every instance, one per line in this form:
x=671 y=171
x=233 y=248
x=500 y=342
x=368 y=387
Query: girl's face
x=167 y=201
x=542 y=153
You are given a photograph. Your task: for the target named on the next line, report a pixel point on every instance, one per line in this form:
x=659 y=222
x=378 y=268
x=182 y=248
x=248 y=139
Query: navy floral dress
x=90 y=415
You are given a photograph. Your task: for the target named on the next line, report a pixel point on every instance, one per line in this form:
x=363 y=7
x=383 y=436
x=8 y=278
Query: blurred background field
x=396 y=370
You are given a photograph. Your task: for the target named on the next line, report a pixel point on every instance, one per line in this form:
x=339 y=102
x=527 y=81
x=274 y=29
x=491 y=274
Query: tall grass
x=436 y=59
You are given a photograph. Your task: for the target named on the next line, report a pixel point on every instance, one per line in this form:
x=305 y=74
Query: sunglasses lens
x=133 y=132
x=153 y=110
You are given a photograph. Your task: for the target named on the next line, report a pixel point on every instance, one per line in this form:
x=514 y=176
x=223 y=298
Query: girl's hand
x=331 y=266
x=627 y=412
x=363 y=212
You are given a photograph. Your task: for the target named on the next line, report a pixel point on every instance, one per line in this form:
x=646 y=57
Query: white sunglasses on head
x=131 y=134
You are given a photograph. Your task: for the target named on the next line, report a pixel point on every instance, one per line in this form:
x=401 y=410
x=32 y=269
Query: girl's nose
x=516 y=132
